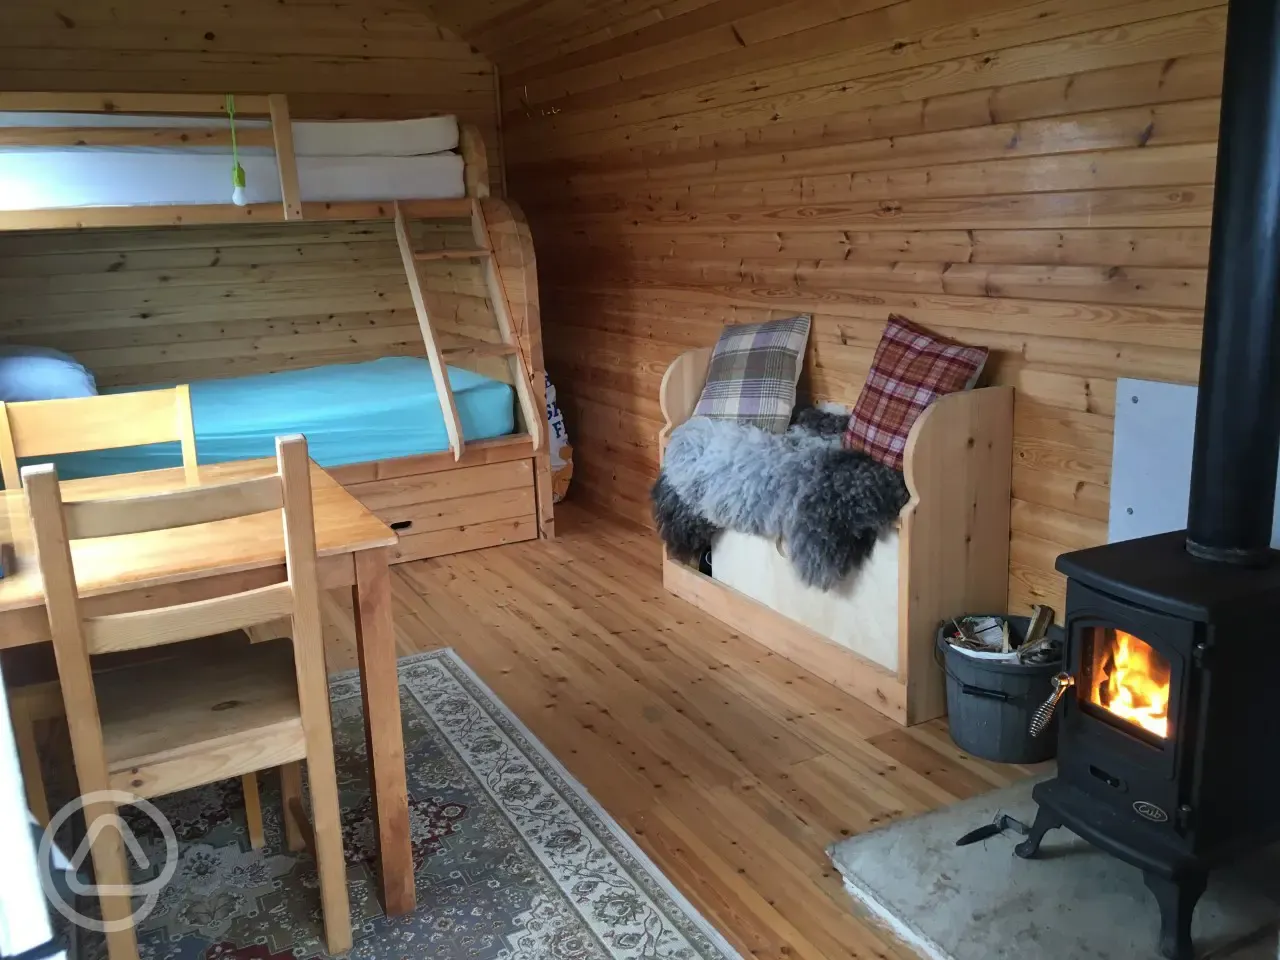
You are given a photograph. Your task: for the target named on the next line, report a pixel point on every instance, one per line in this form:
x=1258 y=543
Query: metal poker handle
x=1045 y=713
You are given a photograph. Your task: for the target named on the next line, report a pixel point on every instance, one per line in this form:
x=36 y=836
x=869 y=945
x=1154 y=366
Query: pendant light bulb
x=237 y=186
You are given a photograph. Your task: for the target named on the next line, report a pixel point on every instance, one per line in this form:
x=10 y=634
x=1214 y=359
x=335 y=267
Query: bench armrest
x=681 y=387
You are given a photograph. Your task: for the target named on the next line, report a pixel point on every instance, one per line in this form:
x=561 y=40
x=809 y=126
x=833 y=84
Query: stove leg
x=1177 y=900
x=1046 y=820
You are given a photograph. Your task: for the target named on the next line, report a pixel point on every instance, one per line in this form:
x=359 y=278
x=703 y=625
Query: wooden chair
x=158 y=729
x=46 y=428
x=43 y=428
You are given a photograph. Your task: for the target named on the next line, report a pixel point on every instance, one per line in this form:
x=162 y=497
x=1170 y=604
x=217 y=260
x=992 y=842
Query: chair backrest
x=55 y=523
x=45 y=428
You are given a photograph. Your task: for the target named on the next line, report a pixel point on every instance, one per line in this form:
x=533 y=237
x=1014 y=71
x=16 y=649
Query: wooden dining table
x=184 y=564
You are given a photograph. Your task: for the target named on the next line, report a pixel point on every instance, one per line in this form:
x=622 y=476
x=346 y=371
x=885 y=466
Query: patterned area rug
x=513 y=858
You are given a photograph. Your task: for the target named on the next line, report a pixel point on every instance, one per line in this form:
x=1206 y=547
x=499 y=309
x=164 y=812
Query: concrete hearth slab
x=1074 y=903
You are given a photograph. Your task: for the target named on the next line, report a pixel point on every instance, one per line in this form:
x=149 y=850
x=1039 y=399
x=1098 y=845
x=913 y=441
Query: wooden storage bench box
x=859 y=614
x=949 y=555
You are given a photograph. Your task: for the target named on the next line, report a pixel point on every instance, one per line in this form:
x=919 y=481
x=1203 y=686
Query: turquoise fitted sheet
x=349 y=413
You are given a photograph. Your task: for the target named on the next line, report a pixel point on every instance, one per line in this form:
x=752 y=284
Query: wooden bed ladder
x=508 y=347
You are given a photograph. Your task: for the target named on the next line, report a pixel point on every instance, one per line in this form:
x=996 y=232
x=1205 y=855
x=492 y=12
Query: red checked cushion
x=911 y=369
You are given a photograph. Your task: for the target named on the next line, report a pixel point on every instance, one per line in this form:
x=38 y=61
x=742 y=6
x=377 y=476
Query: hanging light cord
x=231 y=115
x=237 y=172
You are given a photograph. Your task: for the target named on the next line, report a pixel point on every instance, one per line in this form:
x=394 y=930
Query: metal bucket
x=990 y=703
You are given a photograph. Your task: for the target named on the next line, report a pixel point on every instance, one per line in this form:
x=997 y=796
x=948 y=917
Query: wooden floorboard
x=731 y=767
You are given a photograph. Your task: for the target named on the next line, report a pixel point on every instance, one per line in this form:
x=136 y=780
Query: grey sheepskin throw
x=829 y=505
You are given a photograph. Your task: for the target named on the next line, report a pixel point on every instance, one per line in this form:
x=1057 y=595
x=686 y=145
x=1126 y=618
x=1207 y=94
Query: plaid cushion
x=911 y=369
x=753 y=373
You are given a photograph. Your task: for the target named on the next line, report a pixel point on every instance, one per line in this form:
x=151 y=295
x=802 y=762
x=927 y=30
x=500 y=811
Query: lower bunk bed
x=378 y=428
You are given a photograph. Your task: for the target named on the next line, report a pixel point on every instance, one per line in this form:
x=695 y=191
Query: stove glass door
x=1126 y=681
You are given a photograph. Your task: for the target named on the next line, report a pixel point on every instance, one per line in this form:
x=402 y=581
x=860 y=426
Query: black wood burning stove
x=1165 y=742
x=1170 y=710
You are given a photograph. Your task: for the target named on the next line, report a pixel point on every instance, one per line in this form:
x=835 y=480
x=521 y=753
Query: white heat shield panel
x=1151 y=459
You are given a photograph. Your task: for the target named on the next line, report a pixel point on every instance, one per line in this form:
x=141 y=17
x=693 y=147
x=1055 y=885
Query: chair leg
x=111 y=869
x=253 y=810
x=326 y=823
x=290 y=800
x=24 y=732
x=313 y=693
x=28 y=705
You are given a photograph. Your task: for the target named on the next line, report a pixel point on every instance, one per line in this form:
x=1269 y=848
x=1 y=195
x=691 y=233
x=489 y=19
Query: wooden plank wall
x=1033 y=176
x=157 y=306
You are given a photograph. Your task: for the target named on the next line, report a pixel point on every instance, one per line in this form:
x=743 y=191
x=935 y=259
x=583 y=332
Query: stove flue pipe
x=1237 y=435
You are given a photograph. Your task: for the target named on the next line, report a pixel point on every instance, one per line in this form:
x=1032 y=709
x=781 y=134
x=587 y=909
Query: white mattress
x=39 y=179
x=381 y=138
x=343 y=160
x=311 y=138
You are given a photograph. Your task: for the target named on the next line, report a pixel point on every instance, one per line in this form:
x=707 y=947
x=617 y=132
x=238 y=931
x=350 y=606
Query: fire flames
x=1131 y=681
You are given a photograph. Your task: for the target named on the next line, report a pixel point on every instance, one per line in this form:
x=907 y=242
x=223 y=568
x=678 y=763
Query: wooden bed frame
x=470 y=496
x=952 y=544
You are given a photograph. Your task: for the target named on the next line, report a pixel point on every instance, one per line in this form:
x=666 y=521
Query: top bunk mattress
x=311 y=138
x=349 y=413
x=346 y=160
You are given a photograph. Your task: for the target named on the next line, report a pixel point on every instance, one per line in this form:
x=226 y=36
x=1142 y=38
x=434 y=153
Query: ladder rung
x=478 y=348
x=450 y=254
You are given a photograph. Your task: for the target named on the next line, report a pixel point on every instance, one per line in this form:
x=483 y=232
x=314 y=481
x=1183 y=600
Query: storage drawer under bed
x=451 y=511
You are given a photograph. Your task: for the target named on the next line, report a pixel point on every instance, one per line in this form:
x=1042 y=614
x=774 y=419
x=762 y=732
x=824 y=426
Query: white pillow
x=41 y=373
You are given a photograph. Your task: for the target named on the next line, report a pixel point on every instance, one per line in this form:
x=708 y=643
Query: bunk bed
x=448 y=447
